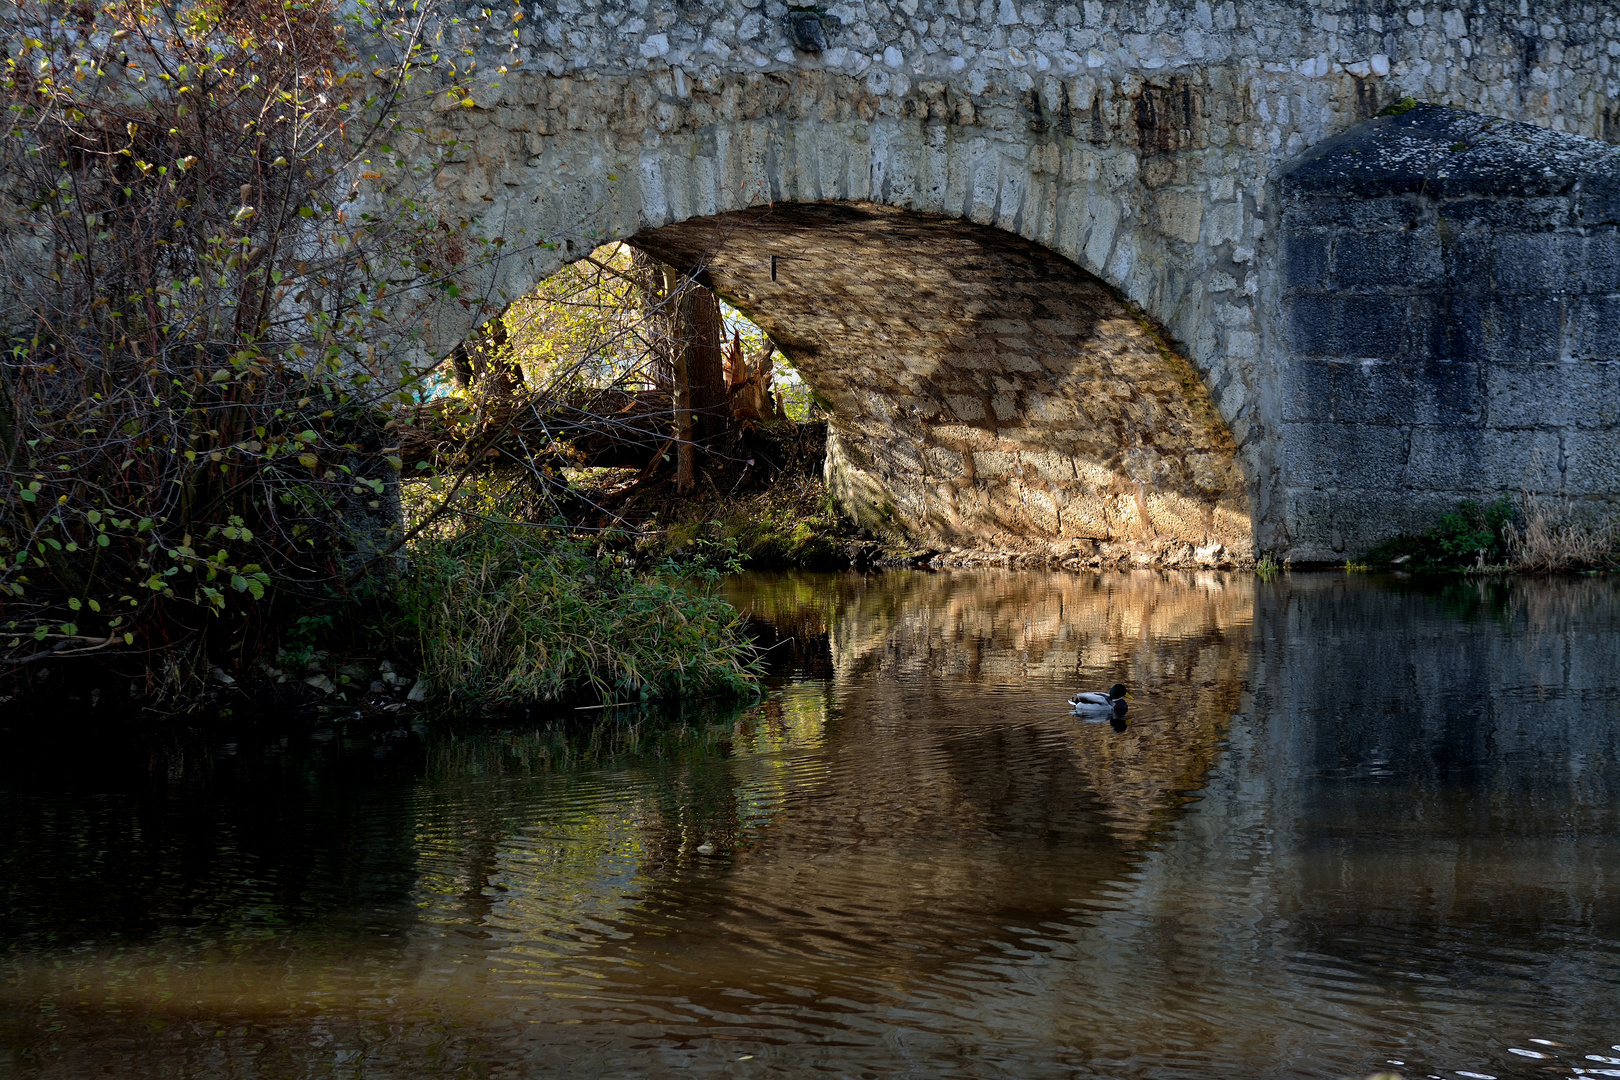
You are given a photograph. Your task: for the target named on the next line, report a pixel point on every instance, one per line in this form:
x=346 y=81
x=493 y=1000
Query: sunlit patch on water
x=1348 y=828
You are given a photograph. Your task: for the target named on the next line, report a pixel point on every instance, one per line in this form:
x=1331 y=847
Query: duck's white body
x=1094 y=703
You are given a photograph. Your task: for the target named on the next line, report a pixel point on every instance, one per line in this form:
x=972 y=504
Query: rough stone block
x=1512 y=329
x=1357 y=326
x=1301 y=211
x=1592 y=462
x=1394 y=261
x=1467 y=253
x=1599 y=202
x=1539 y=262
x=1304 y=258
x=1495 y=212
x=1596 y=321
x=993 y=464
x=1331 y=455
x=1180 y=214
x=1338 y=525
x=1384 y=392
x=1600 y=269
x=1484 y=460
x=1568 y=394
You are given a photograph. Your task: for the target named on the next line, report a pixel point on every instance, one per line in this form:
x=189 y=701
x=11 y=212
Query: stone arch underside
x=984 y=392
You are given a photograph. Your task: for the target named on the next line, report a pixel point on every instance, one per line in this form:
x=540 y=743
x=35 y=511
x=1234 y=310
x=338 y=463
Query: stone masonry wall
x=1136 y=140
x=1452 y=311
x=984 y=392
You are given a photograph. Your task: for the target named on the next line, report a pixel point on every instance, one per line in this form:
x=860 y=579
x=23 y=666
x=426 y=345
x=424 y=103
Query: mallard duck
x=1095 y=704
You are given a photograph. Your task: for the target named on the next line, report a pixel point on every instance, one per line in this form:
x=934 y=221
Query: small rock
x=808 y=31
x=705 y=848
x=321 y=683
x=221 y=677
x=418 y=692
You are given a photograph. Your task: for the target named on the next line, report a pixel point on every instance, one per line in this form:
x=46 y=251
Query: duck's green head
x=1117 y=692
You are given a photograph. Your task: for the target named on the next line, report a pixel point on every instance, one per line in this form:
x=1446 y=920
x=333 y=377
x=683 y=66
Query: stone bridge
x=1102 y=276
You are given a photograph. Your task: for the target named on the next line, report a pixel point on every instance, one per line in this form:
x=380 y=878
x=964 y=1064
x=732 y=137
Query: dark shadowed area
x=1350 y=823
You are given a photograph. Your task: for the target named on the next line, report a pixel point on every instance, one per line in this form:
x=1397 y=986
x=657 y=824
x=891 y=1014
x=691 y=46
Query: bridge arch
x=982 y=391
x=1077 y=428
x=1142 y=144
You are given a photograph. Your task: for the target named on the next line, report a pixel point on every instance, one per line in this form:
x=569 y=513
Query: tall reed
x=1552 y=540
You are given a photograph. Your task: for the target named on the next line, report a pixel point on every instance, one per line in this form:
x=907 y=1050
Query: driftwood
x=613 y=428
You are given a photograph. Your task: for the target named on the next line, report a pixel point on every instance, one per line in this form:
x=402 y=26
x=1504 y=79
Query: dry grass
x=1552 y=541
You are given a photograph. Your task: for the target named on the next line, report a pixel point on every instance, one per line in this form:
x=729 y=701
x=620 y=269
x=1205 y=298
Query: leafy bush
x=505 y=618
x=1468 y=538
x=790 y=525
x=209 y=292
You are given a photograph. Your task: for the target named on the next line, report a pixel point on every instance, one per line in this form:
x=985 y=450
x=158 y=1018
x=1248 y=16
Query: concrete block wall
x=1450 y=319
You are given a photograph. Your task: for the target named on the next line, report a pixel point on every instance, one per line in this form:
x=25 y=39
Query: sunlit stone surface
x=982 y=391
x=1141 y=142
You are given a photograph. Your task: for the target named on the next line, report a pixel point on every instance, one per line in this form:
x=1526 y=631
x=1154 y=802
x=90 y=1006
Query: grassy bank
x=790 y=525
x=506 y=614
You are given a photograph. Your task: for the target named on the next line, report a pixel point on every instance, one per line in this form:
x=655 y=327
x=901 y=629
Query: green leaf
x=73 y=603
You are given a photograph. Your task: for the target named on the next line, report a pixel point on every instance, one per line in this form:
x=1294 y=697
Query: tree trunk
x=685 y=433
x=480 y=357
x=706 y=366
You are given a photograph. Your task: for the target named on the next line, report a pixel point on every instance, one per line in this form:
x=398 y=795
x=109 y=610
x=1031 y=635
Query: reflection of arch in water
x=1179 y=640
x=949 y=800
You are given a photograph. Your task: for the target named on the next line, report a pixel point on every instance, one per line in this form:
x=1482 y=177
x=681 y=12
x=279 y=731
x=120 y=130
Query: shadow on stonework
x=983 y=393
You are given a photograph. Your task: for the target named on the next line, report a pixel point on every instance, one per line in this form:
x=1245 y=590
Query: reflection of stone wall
x=904 y=643
x=1410 y=759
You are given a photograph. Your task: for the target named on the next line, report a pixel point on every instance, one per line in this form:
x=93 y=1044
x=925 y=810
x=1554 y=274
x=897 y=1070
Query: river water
x=1353 y=825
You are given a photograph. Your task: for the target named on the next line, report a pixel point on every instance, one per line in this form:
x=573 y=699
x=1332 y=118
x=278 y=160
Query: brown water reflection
x=1350 y=822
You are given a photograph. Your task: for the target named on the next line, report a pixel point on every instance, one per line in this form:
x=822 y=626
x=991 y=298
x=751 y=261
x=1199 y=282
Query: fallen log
x=611 y=428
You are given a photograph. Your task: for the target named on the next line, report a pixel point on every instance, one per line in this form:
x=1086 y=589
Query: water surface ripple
x=1352 y=825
